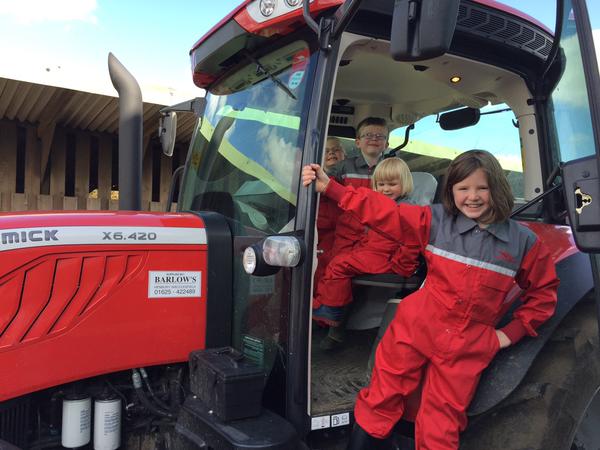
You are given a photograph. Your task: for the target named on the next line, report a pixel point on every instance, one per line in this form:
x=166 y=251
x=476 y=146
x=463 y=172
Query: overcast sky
x=66 y=42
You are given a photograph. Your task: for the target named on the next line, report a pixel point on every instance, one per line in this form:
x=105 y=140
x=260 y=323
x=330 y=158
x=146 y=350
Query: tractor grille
x=474 y=19
x=53 y=293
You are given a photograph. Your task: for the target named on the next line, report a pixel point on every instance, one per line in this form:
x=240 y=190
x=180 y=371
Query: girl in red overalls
x=444 y=335
x=373 y=254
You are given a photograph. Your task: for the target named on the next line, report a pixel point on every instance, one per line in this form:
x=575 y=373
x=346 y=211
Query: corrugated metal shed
x=44 y=105
x=57 y=146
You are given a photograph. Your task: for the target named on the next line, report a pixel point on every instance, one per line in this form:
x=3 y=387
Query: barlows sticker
x=173 y=284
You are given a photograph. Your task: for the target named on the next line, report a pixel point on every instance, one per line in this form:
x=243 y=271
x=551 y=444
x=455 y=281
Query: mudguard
x=509 y=367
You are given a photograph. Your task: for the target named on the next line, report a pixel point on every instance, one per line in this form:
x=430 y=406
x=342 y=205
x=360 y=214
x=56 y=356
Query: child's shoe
x=328 y=315
x=331 y=342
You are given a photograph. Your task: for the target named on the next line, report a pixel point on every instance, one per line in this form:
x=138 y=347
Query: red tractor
x=193 y=329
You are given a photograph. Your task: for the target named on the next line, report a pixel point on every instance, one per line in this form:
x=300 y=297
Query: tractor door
x=573 y=117
x=244 y=163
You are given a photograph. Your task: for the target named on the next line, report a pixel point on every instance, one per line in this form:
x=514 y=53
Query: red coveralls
x=339 y=232
x=445 y=332
x=350 y=172
x=375 y=253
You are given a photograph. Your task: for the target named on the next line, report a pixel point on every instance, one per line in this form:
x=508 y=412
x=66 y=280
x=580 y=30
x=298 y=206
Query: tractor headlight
x=267 y=7
x=267 y=256
x=282 y=251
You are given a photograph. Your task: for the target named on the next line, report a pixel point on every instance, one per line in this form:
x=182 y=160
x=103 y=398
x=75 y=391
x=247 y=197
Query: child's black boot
x=361 y=440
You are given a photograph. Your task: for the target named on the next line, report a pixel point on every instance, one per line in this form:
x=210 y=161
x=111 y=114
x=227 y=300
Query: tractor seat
x=389 y=281
x=425 y=186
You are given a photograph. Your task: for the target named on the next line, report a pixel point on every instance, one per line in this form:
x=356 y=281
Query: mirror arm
x=329 y=29
x=313 y=25
x=196 y=105
x=557 y=35
x=544 y=84
x=393 y=152
x=174 y=180
x=496 y=111
x=343 y=16
x=557 y=170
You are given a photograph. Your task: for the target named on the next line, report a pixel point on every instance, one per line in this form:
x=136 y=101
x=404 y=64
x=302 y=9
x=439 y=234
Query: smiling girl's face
x=472 y=195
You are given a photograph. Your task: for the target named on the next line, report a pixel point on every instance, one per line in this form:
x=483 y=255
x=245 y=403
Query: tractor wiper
x=275 y=80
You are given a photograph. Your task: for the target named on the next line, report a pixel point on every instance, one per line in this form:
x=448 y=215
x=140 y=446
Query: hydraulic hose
x=136 y=379
x=146 y=380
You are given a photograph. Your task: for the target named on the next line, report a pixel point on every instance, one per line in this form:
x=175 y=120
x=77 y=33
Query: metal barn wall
x=23 y=186
x=53 y=142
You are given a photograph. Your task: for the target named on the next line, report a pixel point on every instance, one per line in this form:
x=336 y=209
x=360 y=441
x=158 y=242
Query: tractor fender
x=509 y=367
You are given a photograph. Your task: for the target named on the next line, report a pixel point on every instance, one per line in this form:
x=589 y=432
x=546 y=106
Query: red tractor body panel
x=558 y=239
x=77 y=299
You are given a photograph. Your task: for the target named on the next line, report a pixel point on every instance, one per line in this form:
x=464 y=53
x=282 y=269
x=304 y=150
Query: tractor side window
x=431 y=149
x=569 y=108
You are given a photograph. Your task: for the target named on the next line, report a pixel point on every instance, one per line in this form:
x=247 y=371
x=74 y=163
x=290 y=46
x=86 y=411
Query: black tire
x=556 y=407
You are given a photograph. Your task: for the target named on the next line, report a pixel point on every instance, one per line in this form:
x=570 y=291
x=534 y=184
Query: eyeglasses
x=372 y=136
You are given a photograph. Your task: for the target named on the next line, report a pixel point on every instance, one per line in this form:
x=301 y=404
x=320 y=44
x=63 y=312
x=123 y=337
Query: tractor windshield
x=246 y=153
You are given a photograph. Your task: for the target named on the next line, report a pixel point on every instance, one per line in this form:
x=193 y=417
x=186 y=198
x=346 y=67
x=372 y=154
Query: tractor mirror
x=167 y=128
x=460 y=118
x=167 y=131
x=422 y=29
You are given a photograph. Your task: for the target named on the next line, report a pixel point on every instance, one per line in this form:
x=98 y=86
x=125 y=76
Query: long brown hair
x=501 y=197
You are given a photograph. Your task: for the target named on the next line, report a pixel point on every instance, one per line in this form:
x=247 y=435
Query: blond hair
x=394 y=169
